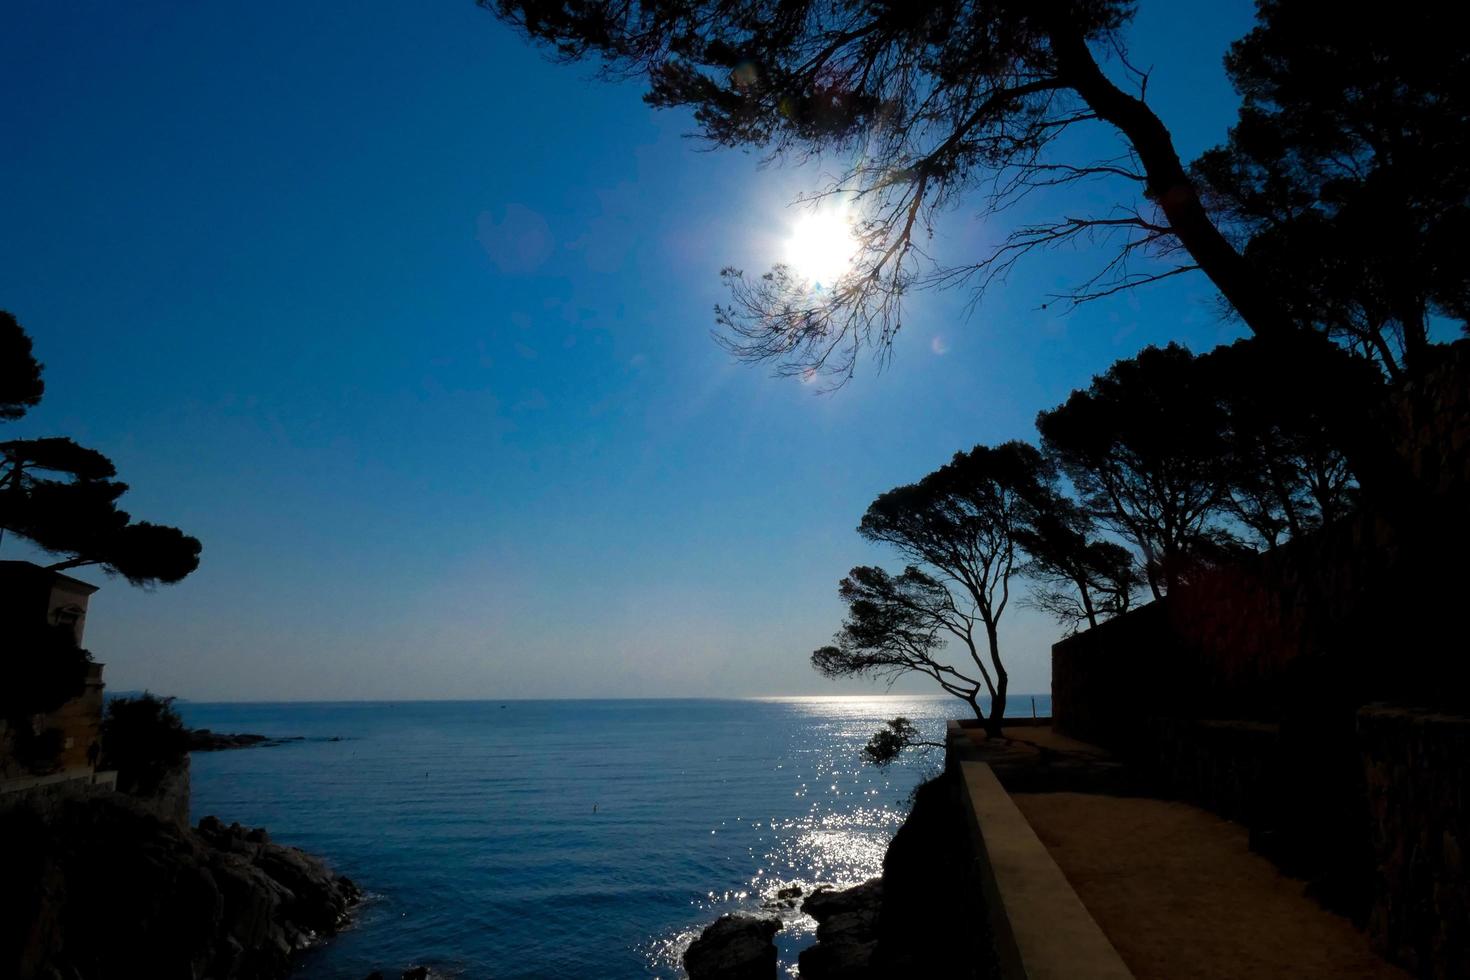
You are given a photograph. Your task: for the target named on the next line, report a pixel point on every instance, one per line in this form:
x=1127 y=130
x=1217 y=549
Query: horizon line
x=509 y=700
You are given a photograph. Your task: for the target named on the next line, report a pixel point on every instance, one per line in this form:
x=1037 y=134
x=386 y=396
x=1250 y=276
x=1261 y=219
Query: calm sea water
x=565 y=838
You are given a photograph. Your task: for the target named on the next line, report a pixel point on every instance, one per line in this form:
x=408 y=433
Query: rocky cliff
x=923 y=918
x=99 y=885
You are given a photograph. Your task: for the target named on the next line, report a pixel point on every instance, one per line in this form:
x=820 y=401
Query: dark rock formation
x=923 y=918
x=204 y=740
x=847 y=932
x=785 y=898
x=97 y=885
x=736 y=946
x=170 y=798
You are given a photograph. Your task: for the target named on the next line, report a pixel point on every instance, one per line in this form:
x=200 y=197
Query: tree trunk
x=1002 y=681
x=1349 y=417
x=1167 y=183
x=1087 y=607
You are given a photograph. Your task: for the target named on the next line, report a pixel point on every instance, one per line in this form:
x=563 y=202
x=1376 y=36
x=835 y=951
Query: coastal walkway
x=1166 y=890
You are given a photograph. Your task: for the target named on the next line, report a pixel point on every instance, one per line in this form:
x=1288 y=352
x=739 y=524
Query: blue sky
x=411 y=327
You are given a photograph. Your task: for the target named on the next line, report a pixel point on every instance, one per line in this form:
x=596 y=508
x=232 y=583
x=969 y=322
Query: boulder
x=839 y=961
x=104 y=872
x=847 y=932
x=825 y=902
x=736 y=946
x=784 y=899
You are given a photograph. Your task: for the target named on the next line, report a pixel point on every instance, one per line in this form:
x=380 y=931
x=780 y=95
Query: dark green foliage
x=763 y=72
x=143 y=738
x=1346 y=179
x=62 y=496
x=42 y=669
x=893 y=624
x=58 y=455
x=958 y=527
x=20 y=374
x=1145 y=447
x=1289 y=474
x=888 y=742
x=945 y=101
x=1349 y=169
x=1078 y=578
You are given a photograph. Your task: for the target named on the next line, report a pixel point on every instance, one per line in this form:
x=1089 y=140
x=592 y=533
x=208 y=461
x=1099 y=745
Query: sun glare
x=822 y=246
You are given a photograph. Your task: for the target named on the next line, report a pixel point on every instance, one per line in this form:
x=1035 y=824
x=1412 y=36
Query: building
x=32 y=595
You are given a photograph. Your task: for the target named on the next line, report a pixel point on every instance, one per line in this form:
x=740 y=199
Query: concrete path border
x=1041 y=929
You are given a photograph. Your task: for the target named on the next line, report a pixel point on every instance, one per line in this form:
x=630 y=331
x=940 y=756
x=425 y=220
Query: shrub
x=143 y=738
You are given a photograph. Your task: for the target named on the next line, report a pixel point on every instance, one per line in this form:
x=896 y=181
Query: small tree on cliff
x=959 y=529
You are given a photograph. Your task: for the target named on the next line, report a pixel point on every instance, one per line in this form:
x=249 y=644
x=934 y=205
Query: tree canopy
x=1144 y=445
x=1347 y=174
x=63 y=498
x=21 y=386
x=1287 y=473
x=1077 y=577
x=959 y=529
x=944 y=102
x=144 y=739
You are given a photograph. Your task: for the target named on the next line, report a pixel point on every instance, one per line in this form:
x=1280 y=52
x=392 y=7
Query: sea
x=566 y=838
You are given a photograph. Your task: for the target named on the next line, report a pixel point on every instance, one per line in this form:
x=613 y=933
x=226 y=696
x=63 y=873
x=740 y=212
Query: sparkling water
x=566 y=838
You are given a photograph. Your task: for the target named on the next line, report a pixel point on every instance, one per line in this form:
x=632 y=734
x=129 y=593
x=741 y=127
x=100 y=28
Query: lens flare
x=822 y=246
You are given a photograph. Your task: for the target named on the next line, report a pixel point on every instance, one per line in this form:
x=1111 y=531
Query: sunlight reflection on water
x=565 y=838
x=840 y=839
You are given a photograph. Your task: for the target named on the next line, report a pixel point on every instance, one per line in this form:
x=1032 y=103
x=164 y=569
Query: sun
x=822 y=246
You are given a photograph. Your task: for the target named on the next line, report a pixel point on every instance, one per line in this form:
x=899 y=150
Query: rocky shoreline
x=98 y=885
x=204 y=740
x=920 y=919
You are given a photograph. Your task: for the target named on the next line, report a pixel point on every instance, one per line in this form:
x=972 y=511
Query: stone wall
x=1417 y=770
x=1107 y=681
x=1230 y=767
x=1244 y=690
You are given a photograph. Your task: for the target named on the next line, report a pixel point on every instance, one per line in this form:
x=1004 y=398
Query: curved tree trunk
x=1002 y=681
x=1353 y=423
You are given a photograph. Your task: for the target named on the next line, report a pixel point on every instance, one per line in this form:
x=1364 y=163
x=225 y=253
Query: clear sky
x=411 y=328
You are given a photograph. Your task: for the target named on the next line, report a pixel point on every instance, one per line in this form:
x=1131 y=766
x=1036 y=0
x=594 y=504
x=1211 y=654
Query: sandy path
x=1179 y=893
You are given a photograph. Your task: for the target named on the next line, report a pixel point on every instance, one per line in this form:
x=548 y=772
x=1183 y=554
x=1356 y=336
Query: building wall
x=31 y=593
x=1248 y=690
x=67 y=603
x=80 y=722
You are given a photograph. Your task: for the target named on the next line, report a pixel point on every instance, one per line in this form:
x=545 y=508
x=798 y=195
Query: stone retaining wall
x=1417 y=768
